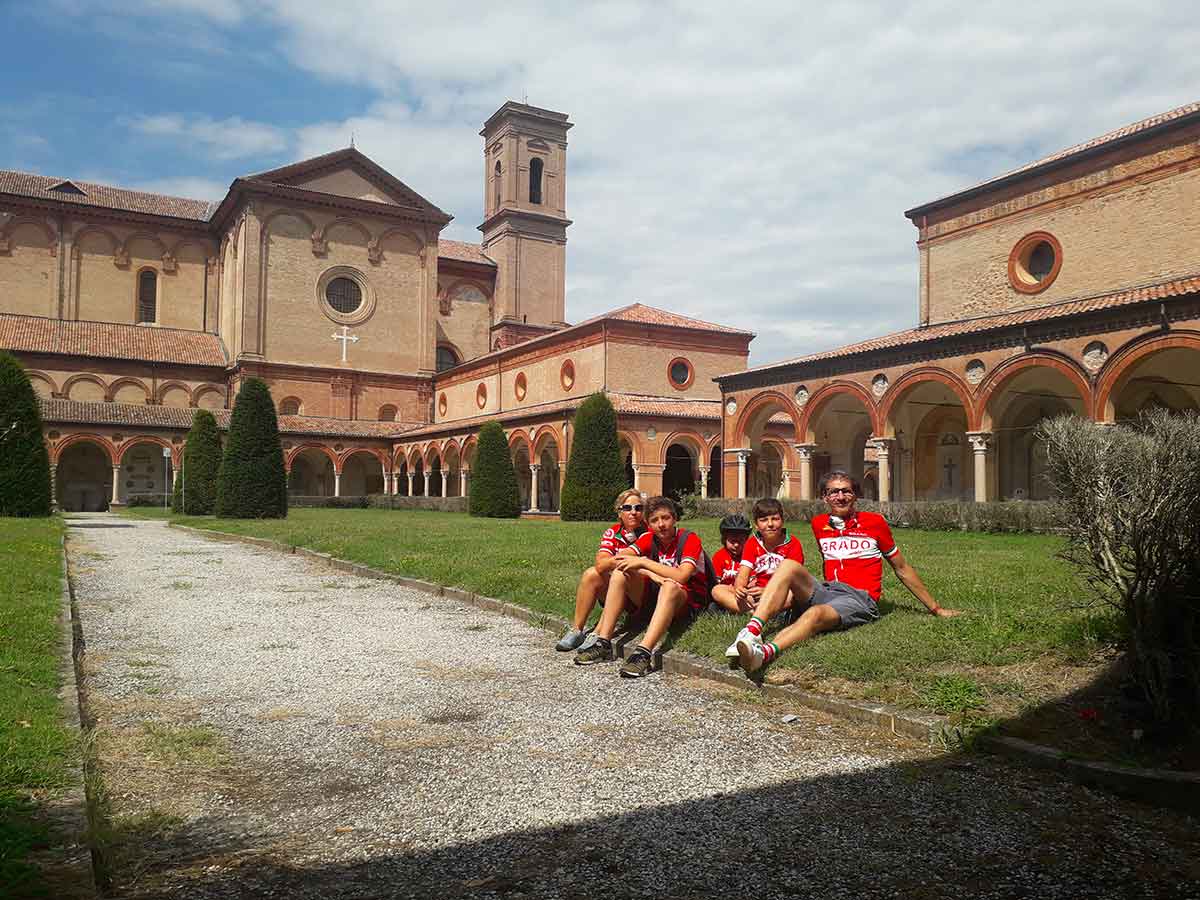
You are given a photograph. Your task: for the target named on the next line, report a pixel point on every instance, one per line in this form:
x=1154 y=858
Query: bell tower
x=525 y=215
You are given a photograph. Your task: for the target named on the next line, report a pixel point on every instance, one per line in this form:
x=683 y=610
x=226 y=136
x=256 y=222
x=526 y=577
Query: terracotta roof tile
x=650 y=315
x=1093 y=144
x=146 y=416
x=25 y=184
x=110 y=340
x=463 y=252
x=1158 y=291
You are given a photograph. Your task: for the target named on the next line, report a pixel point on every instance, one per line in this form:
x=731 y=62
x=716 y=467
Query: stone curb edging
x=1176 y=790
x=72 y=697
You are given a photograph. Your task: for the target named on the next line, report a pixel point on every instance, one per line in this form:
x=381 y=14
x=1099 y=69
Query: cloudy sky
x=744 y=163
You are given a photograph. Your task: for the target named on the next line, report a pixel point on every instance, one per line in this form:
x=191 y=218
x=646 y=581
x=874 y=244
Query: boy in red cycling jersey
x=735 y=529
x=593 y=584
x=853 y=546
x=765 y=550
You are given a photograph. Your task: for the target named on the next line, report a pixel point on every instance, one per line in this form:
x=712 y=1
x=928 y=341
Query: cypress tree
x=24 y=462
x=252 y=482
x=494 y=491
x=595 y=473
x=201 y=466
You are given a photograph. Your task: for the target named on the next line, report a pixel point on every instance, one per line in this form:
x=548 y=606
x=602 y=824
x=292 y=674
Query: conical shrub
x=196 y=481
x=24 y=462
x=252 y=483
x=494 y=491
x=595 y=473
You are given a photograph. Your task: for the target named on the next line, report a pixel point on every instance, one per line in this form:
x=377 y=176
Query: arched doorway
x=839 y=426
x=1166 y=379
x=311 y=474
x=765 y=477
x=930 y=458
x=679 y=477
x=401 y=487
x=145 y=473
x=768 y=429
x=548 y=477
x=418 y=479
x=362 y=474
x=520 y=458
x=628 y=461
x=714 y=472
x=453 y=470
x=435 y=477
x=84 y=478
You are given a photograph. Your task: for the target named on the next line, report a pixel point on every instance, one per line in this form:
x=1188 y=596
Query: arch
x=910 y=380
x=694 y=443
x=625 y=437
x=450 y=449
x=113 y=241
x=160 y=397
x=146 y=295
x=109 y=448
x=820 y=400
x=132 y=442
x=17 y=221
x=414 y=457
x=287 y=211
x=518 y=437
x=1000 y=376
x=203 y=391
x=111 y=396
x=1134 y=351
x=785 y=450
x=49 y=389
x=418 y=244
x=380 y=455
x=290 y=458
x=344 y=220
x=444 y=350
x=467 y=451
x=291 y=406
x=206 y=248
x=544 y=435
x=84 y=377
x=760 y=407
x=144 y=236
x=359 y=476
x=432 y=453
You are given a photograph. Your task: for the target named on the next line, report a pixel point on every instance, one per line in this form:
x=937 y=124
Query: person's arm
x=910 y=579
x=681 y=573
x=741 y=581
x=605 y=561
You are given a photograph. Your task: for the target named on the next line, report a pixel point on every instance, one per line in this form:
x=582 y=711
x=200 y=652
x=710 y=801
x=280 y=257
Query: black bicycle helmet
x=735 y=522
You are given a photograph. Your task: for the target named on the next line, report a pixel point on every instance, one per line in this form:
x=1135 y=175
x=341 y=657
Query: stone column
x=337 y=484
x=882 y=452
x=54 y=487
x=411 y=475
x=425 y=492
x=637 y=477
x=462 y=481
x=387 y=479
x=116 y=490
x=743 y=456
x=980 y=441
x=704 y=482
x=805 y=453
x=445 y=484
x=535 y=469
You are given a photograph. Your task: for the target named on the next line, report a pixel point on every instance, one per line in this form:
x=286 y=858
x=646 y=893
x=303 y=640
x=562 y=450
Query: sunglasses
x=631 y=507
x=834 y=492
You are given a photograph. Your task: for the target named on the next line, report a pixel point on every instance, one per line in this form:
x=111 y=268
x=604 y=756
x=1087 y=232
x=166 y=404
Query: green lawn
x=1026 y=616
x=35 y=747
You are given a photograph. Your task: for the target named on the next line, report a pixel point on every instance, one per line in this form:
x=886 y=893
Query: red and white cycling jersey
x=616 y=538
x=674 y=555
x=854 y=549
x=725 y=566
x=763 y=562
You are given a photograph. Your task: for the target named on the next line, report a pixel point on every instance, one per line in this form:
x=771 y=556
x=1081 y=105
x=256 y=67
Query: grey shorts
x=855 y=607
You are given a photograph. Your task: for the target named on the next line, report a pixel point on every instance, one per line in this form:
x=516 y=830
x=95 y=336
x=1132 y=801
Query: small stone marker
x=790 y=718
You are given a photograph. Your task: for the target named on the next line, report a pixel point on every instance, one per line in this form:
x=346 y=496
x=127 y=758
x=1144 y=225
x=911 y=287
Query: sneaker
x=572 y=639
x=750 y=654
x=639 y=665
x=599 y=652
x=744 y=635
x=589 y=641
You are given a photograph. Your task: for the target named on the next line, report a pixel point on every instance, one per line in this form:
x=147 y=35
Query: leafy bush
x=158 y=500
x=1131 y=509
x=196 y=481
x=494 y=492
x=595 y=472
x=24 y=462
x=252 y=482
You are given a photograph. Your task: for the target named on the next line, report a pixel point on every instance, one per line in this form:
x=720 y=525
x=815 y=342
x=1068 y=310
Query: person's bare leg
x=591 y=585
x=671 y=599
x=621 y=587
x=813 y=620
x=724 y=597
x=790 y=580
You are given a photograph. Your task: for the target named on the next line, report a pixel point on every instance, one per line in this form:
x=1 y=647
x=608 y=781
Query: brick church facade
x=1070 y=285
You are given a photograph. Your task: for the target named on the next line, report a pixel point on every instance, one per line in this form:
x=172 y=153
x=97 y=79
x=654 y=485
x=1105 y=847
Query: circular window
x=481 y=395
x=343 y=295
x=680 y=373
x=521 y=386
x=567 y=375
x=442 y=404
x=1034 y=262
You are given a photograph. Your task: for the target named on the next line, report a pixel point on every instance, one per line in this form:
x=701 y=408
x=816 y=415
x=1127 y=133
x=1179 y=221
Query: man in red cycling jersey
x=853 y=546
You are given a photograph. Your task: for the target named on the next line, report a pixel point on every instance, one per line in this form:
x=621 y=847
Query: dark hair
x=767 y=506
x=838 y=475
x=656 y=503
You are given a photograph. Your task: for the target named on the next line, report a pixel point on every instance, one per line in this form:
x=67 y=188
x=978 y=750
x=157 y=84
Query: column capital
x=805 y=451
x=882 y=445
x=535 y=467
x=979 y=440
x=704 y=469
x=648 y=468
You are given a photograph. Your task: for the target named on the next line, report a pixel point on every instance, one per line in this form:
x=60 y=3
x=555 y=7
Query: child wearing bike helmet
x=735 y=529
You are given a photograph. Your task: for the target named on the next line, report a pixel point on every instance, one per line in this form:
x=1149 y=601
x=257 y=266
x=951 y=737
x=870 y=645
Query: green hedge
x=494 y=493
x=1030 y=516
x=196 y=482
x=24 y=462
x=595 y=472
x=252 y=483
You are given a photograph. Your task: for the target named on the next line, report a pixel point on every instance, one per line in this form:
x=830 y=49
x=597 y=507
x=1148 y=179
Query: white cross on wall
x=346 y=338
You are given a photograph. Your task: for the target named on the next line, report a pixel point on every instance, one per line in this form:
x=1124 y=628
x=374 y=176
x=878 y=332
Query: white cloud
x=232 y=138
x=745 y=163
x=192 y=188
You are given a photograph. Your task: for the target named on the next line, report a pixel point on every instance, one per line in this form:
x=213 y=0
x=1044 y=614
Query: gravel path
x=270 y=728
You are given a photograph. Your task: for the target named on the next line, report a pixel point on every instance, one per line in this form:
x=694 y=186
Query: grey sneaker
x=572 y=639
x=599 y=652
